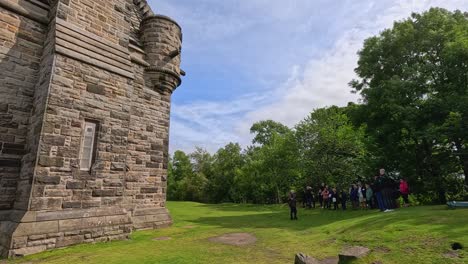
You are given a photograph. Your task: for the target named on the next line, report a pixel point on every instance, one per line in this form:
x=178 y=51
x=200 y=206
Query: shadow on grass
x=436 y=220
x=276 y=217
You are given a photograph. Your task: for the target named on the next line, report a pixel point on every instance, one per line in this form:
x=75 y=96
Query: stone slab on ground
x=235 y=239
x=352 y=253
x=302 y=258
x=330 y=260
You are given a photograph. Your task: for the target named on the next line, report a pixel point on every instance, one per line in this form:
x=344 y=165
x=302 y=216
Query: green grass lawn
x=408 y=235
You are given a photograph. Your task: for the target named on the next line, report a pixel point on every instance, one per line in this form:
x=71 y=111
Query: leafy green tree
x=179 y=169
x=331 y=149
x=414 y=84
x=276 y=157
x=264 y=131
x=226 y=164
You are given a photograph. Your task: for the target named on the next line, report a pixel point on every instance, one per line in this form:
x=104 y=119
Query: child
x=369 y=196
x=404 y=190
x=325 y=194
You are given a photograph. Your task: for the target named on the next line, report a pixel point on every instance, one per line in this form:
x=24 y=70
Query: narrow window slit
x=88 y=146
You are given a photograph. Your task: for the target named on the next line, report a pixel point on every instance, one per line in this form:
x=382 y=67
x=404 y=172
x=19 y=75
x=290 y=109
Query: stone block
x=37 y=237
x=48 y=179
x=69 y=240
x=53 y=140
x=149 y=190
x=24 y=251
x=75 y=185
x=70 y=225
x=34 y=228
x=117 y=166
x=41 y=242
x=46 y=203
x=71 y=204
x=104 y=192
x=96 y=89
x=47 y=161
x=10 y=163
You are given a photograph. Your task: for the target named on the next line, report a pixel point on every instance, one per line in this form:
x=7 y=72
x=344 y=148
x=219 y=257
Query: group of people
x=381 y=194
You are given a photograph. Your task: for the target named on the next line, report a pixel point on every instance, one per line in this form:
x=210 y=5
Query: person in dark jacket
x=292 y=200
x=362 y=195
x=379 y=186
x=334 y=198
x=344 y=199
x=309 y=197
x=354 y=196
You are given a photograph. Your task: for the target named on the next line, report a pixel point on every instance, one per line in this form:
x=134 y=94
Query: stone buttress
x=85 y=96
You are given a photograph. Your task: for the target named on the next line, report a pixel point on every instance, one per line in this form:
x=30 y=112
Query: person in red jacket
x=404 y=190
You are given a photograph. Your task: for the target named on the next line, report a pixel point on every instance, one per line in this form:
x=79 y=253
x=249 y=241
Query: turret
x=162 y=40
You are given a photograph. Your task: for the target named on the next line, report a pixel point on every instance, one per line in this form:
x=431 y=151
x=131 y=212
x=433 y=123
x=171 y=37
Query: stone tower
x=85 y=93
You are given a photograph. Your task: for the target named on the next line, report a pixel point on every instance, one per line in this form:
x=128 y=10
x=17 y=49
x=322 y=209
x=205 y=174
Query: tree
x=414 y=84
x=264 y=131
x=331 y=149
x=179 y=169
x=227 y=162
x=275 y=156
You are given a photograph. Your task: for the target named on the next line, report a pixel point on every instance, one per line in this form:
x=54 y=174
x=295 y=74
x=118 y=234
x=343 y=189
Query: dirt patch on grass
x=452 y=254
x=189 y=227
x=236 y=239
x=161 y=238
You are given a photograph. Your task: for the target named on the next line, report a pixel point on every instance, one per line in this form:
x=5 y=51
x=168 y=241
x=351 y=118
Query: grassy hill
x=408 y=235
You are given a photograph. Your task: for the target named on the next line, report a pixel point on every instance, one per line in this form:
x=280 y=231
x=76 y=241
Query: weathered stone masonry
x=66 y=65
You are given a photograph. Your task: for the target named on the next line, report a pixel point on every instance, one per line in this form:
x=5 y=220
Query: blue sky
x=251 y=60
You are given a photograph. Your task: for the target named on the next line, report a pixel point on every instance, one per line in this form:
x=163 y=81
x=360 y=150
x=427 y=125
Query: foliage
x=414 y=85
x=332 y=150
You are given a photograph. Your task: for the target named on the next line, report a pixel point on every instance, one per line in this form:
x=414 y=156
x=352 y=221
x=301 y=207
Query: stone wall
x=21 y=46
x=90 y=65
x=77 y=61
x=21 y=49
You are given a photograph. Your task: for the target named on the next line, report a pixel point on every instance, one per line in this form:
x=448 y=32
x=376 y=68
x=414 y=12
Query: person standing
x=362 y=195
x=378 y=188
x=404 y=191
x=344 y=198
x=334 y=198
x=320 y=197
x=292 y=200
x=354 y=196
x=308 y=197
x=325 y=194
x=369 y=196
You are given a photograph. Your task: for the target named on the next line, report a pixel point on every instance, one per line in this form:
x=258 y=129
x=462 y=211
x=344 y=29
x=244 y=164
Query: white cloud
x=321 y=81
